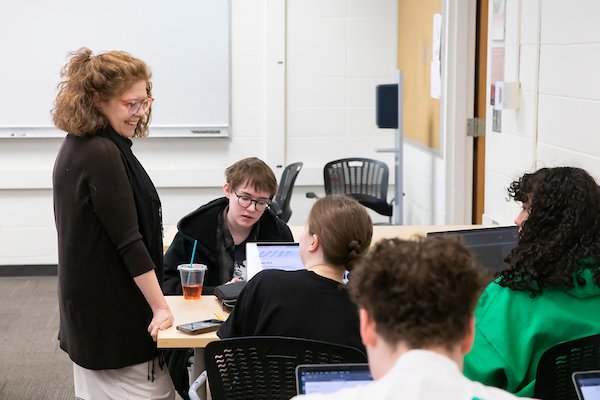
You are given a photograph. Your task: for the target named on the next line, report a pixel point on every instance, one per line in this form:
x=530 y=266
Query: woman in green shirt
x=550 y=292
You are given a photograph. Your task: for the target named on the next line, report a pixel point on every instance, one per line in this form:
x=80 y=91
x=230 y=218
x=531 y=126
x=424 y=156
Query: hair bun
x=354 y=248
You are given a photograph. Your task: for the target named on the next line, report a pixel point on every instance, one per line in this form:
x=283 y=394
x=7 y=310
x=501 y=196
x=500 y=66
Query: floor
x=32 y=365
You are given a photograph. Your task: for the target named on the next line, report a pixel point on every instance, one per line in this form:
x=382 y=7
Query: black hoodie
x=202 y=225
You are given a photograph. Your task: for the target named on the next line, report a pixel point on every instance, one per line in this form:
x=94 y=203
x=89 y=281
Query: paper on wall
x=436 y=79
x=436 y=70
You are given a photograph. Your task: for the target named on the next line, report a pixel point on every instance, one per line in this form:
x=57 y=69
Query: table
x=185 y=311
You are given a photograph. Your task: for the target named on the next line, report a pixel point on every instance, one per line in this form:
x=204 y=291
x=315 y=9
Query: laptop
x=272 y=255
x=489 y=246
x=329 y=378
x=587 y=385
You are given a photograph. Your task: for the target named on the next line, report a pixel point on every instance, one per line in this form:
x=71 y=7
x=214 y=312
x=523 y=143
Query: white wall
x=337 y=50
x=553 y=49
x=424 y=185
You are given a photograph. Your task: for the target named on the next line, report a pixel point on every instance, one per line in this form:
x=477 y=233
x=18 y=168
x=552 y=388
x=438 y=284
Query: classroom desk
x=185 y=311
x=379 y=231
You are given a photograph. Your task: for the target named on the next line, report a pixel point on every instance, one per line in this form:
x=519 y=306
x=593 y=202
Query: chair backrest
x=557 y=364
x=263 y=367
x=362 y=178
x=281 y=202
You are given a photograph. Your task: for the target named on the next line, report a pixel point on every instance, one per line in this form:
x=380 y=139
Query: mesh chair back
x=281 y=202
x=364 y=179
x=557 y=364
x=264 y=367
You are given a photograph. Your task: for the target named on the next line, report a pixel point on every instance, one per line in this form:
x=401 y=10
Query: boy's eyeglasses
x=135 y=105
x=245 y=201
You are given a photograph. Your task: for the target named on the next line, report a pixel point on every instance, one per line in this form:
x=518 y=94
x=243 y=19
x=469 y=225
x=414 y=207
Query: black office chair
x=364 y=179
x=557 y=364
x=263 y=367
x=281 y=202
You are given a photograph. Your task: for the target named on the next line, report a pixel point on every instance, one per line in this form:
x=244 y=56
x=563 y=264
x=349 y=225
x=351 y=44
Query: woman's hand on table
x=162 y=318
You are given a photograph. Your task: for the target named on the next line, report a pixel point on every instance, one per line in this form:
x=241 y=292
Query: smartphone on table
x=195 y=328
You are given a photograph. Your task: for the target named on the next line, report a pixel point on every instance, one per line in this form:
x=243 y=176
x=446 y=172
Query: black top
x=202 y=225
x=103 y=315
x=298 y=304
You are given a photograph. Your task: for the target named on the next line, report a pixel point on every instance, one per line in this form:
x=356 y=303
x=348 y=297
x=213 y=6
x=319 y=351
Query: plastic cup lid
x=193 y=267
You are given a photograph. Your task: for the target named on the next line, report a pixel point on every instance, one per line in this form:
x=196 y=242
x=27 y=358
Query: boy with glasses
x=221 y=228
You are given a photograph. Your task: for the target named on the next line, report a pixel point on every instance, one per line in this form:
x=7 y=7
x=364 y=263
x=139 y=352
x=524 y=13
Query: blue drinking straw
x=192 y=261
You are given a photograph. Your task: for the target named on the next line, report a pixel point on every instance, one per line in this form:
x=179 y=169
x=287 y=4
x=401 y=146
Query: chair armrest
x=193 y=392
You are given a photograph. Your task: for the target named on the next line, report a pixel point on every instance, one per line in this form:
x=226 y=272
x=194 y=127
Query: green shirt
x=513 y=330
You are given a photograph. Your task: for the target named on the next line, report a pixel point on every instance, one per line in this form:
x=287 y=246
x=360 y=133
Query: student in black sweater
x=221 y=228
x=312 y=303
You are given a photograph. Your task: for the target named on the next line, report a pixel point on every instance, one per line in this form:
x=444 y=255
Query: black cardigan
x=103 y=315
x=202 y=225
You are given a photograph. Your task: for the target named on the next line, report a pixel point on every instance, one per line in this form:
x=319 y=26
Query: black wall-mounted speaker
x=386 y=106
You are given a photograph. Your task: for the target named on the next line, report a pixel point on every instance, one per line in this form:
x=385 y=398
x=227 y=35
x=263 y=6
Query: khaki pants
x=129 y=383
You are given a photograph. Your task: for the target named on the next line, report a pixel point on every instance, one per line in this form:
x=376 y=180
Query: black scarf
x=147 y=202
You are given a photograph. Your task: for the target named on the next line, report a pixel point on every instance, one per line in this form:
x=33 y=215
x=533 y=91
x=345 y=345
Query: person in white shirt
x=416 y=301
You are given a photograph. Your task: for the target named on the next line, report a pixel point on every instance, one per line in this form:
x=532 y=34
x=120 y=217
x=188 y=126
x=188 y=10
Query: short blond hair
x=107 y=75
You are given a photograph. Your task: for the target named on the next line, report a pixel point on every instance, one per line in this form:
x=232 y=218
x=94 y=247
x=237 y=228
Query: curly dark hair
x=422 y=292
x=561 y=236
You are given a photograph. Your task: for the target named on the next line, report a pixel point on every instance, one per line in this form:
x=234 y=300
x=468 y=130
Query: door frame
x=458 y=96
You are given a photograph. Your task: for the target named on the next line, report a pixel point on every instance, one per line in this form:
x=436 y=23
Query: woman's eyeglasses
x=135 y=105
x=245 y=201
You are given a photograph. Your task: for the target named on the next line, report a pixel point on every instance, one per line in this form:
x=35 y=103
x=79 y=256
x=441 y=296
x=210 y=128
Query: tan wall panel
x=415 y=37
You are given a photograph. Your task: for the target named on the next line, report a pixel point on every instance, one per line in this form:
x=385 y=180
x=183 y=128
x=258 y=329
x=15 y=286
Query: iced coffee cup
x=192 y=280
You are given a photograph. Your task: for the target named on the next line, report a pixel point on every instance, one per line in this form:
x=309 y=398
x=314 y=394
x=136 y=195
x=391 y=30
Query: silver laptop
x=329 y=378
x=587 y=385
x=272 y=255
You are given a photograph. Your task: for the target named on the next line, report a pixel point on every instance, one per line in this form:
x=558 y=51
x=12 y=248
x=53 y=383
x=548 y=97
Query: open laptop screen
x=587 y=385
x=329 y=378
x=272 y=255
x=489 y=246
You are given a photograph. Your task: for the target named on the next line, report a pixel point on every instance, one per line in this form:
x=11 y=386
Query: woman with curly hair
x=108 y=219
x=550 y=292
x=312 y=303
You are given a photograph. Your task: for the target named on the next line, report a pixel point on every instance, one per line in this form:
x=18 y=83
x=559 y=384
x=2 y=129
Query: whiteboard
x=186 y=44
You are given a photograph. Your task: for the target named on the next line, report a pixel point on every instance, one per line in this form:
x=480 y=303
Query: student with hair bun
x=312 y=303
x=416 y=300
